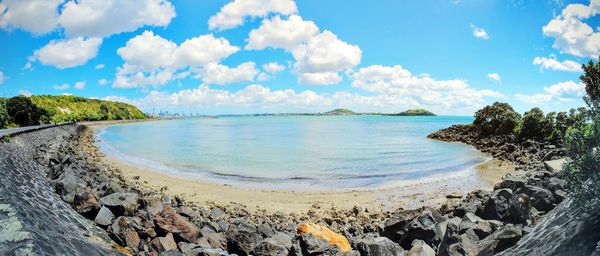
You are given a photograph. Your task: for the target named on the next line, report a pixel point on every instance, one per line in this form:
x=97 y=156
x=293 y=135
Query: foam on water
x=294 y=152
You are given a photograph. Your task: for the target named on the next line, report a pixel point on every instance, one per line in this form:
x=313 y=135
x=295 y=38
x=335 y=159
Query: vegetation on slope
x=339 y=111
x=24 y=111
x=582 y=144
x=414 y=112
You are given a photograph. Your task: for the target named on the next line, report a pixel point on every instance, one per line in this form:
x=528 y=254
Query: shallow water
x=295 y=152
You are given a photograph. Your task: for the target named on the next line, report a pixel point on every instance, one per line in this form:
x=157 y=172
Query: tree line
x=43 y=109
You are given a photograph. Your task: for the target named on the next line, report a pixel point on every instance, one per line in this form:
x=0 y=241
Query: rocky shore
x=146 y=222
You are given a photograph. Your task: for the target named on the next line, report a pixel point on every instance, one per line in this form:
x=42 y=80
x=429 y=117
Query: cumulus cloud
x=79 y=85
x=103 y=81
x=553 y=64
x=281 y=33
x=494 y=77
x=571 y=34
x=60 y=87
x=99 y=66
x=2 y=77
x=319 y=56
x=214 y=73
x=479 y=32
x=35 y=16
x=273 y=67
x=68 y=53
x=234 y=13
x=92 y=18
x=426 y=91
x=563 y=91
x=83 y=20
x=151 y=60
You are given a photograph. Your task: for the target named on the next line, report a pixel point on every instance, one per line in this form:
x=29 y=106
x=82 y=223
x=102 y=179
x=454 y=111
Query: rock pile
x=148 y=222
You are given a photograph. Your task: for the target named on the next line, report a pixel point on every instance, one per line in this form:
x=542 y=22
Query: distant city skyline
x=271 y=56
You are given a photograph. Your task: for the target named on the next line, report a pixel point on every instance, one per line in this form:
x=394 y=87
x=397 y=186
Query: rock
x=86 y=203
x=125 y=229
x=454 y=195
x=420 y=248
x=519 y=210
x=278 y=244
x=154 y=205
x=541 y=198
x=172 y=222
x=371 y=245
x=496 y=206
x=216 y=213
x=478 y=226
x=171 y=253
x=104 y=217
x=395 y=227
x=511 y=182
x=325 y=234
x=467 y=244
x=215 y=240
x=502 y=239
x=307 y=244
x=120 y=203
x=422 y=228
x=187 y=212
x=242 y=237
x=162 y=244
x=451 y=235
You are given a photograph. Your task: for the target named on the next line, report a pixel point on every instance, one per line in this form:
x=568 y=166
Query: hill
x=339 y=112
x=72 y=108
x=414 y=112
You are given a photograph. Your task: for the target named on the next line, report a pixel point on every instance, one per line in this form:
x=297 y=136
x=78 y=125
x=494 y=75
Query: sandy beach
x=427 y=193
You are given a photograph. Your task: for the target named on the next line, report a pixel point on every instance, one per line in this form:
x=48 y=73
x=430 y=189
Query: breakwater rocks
x=105 y=207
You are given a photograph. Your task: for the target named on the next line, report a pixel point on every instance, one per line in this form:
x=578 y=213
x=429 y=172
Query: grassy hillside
x=415 y=112
x=339 y=111
x=72 y=108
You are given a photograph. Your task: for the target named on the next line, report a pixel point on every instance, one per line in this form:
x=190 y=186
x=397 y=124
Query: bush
x=582 y=146
x=4 y=118
x=498 y=118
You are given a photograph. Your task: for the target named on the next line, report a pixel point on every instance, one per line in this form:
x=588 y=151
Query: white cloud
x=400 y=83
x=214 y=73
x=103 y=81
x=107 y=17
x=319 y=56
x=28 y=66
x=154 y=61
x=572 y=35
x=323 y=55
x=273 y=67
x=99 y=66
x=36 y=16
x=79 y=85
x=61 y=87
x=285 y=34
x=563 y=91
x=479 y=32
x=68 y=53
x=233 y=14
x=553 y=64
x=25 y=93
x=2 y=77
x=494 y=76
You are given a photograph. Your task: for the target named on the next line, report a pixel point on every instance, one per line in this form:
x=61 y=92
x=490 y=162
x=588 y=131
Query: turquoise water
x=320 y=152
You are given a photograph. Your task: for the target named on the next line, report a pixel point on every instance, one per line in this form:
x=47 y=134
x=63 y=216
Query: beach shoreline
x=412 y=195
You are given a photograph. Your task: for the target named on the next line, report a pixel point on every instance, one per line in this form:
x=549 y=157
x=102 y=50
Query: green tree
x=24 y=112
x=535 y=125
x=4 y=118
x=498 y=118
x=582 y=146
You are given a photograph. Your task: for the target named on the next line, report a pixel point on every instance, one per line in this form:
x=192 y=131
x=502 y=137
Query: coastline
x=413 y=195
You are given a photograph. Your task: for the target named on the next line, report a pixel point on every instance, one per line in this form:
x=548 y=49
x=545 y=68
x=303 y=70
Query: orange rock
x=326 y=234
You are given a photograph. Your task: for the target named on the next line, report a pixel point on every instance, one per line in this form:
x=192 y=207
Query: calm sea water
x=295 y=152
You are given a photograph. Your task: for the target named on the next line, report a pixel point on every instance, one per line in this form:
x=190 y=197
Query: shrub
x=24 y=112
x=535 y=125
x=498 y=118
x=4 y=118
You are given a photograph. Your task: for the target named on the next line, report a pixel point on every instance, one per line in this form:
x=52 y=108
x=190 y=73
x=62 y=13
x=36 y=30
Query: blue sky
x=452 y=57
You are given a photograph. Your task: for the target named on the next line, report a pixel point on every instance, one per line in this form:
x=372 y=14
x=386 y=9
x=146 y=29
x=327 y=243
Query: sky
x=265 y=56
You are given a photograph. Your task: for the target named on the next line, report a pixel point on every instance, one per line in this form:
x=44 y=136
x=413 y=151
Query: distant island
x=347 y=112
x=339 y=112
x=413 y=112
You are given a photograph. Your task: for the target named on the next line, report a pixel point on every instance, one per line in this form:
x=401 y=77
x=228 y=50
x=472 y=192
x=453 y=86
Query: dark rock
x=171 y=253
x=395 y=227
x=519 y=210
x=187 y=212
x=216 y=213
x=371 y=245
x=306 y=244
x=104 y=217
x=497 y=204
x=502 y=239
x=278 y=244
x=242 y=237
x=125 y=230
x=541 y=198
x=121 y=203
x=215 y=240
x=422 y=228
x=420 y=248
x=511 y=182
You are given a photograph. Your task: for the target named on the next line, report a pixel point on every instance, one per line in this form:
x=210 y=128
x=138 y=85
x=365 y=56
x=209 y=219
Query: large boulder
x=104 y=217
x=125 y=230
x=325 y=234
x=371 y=245
x=497 y=204
x=121 y=203
x=519 y=210
x=163 y=244
x=466 y=245
x=500 y=240
x=171 y=222
x=278 y=244
x=242 y=238
x=423 y=228
x=395 y=227
x=308 y=244
x=541 y=198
